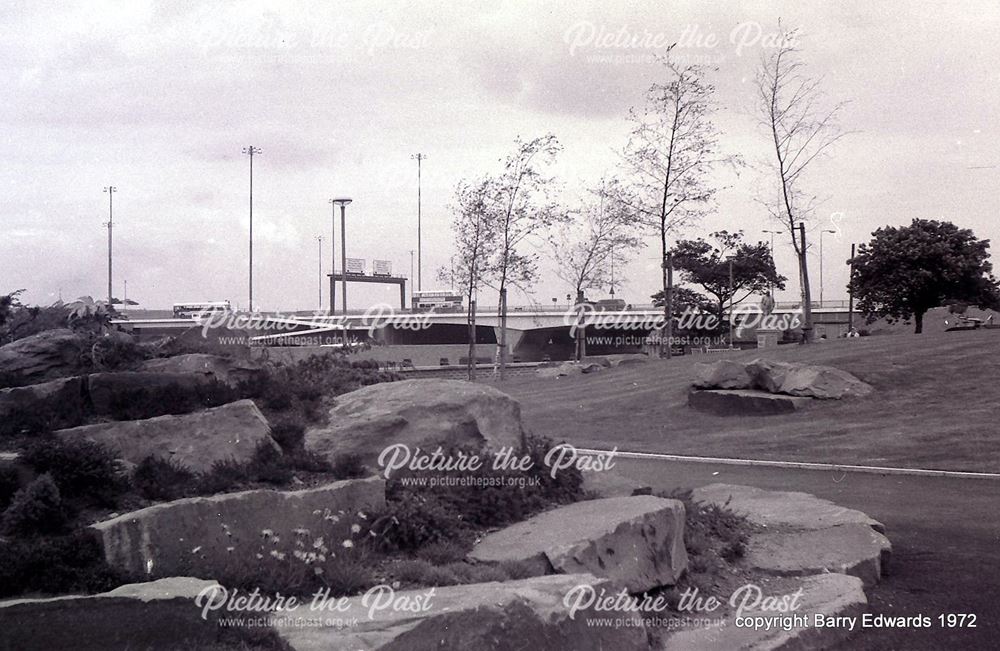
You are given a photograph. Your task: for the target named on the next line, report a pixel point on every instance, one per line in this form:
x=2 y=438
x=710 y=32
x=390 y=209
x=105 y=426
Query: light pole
x=342 y=202
x=110 y=223
x=420 y=263
x=319 y=304
x=250 y=151
x=333 y=255
x=732 y=295
x=772 y=233
x=411 y=278
x=821 y=264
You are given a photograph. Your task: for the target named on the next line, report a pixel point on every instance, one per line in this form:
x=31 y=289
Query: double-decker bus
x=189 y=310
x=440 y=300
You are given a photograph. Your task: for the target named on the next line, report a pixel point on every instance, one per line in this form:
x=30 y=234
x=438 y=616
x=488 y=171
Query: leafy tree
x=707 y=264
x=905 y=271
x=9 y=303
x=670 y=155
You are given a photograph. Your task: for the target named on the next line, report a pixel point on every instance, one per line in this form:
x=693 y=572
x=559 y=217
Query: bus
x=206 y=309
x=437 y=300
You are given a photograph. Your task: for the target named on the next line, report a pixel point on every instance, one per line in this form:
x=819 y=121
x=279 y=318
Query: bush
x=115 y=353
x=443 y=552
x=223 y=476
x=308 y=461
x=412 y=520
x=348 y=466
x=59 y=565
x=139 y=404
x=288 y=434
x=36 y=509
x=157 y=478
x=85 y=470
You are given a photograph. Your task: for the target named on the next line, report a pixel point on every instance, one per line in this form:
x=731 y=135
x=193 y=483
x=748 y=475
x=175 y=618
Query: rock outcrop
x=803 y=380
x=743 y=402
x=527 y=614
x=197 y=440
x=222 y=369
x=159 y=615
x=45 y=356
x=418 y=413
x=202 y=535
x=61 y=399
x=112 y=391
x=637 y=541
x=722 y=374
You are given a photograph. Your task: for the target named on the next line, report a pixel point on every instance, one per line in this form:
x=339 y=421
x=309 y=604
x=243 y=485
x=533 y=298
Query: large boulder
x=203 y=535
x=227 y=370
x=156 y=615
x=558 y=369
x=823 y=382
x=112 y=391
x=637 y=541
x=781 y=509
x=854 y=549
x=823 y=595
x=418 y=413
x=45 y=356
x=721 y=374
x=196 y=440
x=59 y=401
x=767 y=375
x=736 y=402
x=527 y=614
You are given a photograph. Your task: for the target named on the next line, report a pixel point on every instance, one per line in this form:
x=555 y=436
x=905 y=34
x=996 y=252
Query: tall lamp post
x=411 y=278
x=420 y=263
x=319 y=304
x=342 y=202
x=250 y=151
x=772 y=233
x=110 y=224
x=333 y=255
x=821 y=263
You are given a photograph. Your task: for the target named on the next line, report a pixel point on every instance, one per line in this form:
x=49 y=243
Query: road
x=945 y=534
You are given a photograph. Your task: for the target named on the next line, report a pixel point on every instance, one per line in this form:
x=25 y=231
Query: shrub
x=224 y=475
x=419 y=572
x=443 y=552
x=139 y=403
x=115 y=353
x=348 y=466
x=85 y=470
x=269 y=466
x=308 y=461
x=36 y=509
x=10 y=482
x=469 y=573
x=412 y=520
x=158 y=478
x=62 y=564
x=288 y=434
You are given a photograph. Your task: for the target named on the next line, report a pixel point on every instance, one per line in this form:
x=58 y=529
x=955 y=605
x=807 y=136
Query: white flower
x=355 y=528
x=395 y=585
x=279 y=555
x=361 y=514
x=300 y=532
x=196 y=549
x=317 y=570
x=267 y=533
x=318 y=543
x=347 y=544
x=230 y=549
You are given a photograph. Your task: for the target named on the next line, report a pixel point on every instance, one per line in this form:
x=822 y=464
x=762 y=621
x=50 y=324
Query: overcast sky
x=159 y=98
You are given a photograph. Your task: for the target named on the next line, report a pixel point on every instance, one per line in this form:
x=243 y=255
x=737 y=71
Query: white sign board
x=356 y=266
x=381 y=268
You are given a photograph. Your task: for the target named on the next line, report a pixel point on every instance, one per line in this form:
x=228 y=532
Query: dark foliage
x=36 y=509
x=139 y=403
x=10 y=482
x=159 y=479
x=348 y=466
x=85 y=471
x=56 y=565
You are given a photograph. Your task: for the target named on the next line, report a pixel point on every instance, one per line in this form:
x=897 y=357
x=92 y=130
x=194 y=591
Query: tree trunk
x=918 y=320
x=503 y=333
x=472 y=340
x=580 y=332
x=807 y=325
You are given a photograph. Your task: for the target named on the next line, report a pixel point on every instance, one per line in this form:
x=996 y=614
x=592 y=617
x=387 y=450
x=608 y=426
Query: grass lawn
x=936 y=405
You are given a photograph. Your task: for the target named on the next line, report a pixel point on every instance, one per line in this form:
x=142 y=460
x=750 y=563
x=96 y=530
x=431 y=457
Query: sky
x=159 y=98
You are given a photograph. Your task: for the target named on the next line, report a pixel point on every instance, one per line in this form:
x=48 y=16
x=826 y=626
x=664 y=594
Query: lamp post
x=411 y=279
x=732 y=295
x=110 y=224
x=250 y=151
x=821 y=263
x=319 y=304
x=333 y=255
x=342 y=202
x=772 y=233
x=420 y=263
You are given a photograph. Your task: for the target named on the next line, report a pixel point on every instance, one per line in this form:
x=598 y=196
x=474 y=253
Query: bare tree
x=600 y=234
x=671 y=153
x=474 y=242
x=521 y=206
x=790 y=107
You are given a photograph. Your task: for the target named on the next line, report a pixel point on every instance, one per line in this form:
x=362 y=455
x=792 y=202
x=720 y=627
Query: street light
x=250 y=151
x=821 y=263
x=342 y=202
x=420 y=262
x=333 y=255
x=772 y=233
x=319 y=304
x=732 y=295
x=111 y=191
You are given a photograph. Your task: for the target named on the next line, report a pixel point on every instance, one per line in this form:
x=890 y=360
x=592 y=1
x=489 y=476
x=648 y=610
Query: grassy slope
x=936 y=405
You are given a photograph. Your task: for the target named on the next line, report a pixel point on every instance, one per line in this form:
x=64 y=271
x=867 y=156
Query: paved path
x=945 y=534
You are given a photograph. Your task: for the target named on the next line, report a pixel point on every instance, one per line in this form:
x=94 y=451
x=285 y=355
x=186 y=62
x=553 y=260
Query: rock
x=526 y=614
x=604 y=361
x=781 y=509
x=767 y=375
x=562 y=369
x=222 y=369
x=721 y=374
x=823 y=382
x=196 y=440
x=109 y=391
x=854 y=549
x=195 y=534
x=737 y=402
x=607 y=483
x=828 y=595
x=636 y=541
x=591 y=367
x=61 y=400
x=156 y=615
x=45 y=356
x=629 y=360
x=418 y=413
